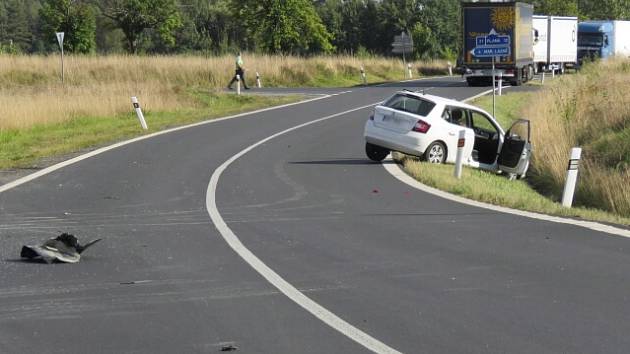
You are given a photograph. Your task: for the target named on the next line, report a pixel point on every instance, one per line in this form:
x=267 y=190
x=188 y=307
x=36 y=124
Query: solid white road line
x=276 y=280
x=63 y=164
x=397 y=172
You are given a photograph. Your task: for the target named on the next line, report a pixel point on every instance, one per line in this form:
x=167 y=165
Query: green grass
x=498 y=190
x=23 y=148
x=508 y=106
x=495 y=189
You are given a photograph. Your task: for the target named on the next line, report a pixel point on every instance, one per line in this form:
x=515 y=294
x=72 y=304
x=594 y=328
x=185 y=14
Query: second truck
x=505 y=19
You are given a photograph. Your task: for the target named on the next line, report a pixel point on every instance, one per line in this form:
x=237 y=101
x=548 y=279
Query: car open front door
x=516 y=149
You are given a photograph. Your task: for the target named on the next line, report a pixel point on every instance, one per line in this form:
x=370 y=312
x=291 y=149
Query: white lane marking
x=401 y=175
x=69 y=162
x=397 y=172
x=274 y=278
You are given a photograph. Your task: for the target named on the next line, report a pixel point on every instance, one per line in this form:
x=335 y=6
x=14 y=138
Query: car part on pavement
x=63 y=248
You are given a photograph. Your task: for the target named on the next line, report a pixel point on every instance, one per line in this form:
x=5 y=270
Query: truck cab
x=595 y=40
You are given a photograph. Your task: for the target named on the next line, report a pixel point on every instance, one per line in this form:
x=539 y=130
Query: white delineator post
x=136 y=105
x=572 y=173
x=450 y=69
x=363 y=77
x=501 y=83
x=258 y=84
x=542 y=78
x=60 y=37
x=409 y=70
x=238 y=84
x=459 y=160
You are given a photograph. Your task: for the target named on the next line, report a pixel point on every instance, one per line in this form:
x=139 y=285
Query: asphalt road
x=418 y=273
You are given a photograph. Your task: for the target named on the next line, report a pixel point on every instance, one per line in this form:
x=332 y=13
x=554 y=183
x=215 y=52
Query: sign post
x=402 y=45
x=492 y=46
x=60 y=36
x=494 y=92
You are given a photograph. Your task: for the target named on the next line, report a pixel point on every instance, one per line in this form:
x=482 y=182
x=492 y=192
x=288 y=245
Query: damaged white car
x=428 y=126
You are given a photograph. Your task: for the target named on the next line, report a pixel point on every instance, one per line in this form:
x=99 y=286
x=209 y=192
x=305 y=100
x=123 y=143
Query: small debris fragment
x=133 y=282
x=63 y=248
x=375 y=191
x=229 y=348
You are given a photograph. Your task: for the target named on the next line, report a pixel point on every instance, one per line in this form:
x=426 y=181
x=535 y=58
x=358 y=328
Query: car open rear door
x=516 y=149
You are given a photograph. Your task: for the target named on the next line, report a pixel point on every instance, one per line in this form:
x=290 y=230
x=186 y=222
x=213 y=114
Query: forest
x=214 y=27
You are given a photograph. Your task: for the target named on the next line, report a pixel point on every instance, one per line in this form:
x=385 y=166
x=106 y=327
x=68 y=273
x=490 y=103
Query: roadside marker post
x=461 y=142
x=542 y=78
x=363 y=77
x=238 y=84
x=501 y=83
x=136 y=105
x=572 y=174
x=409 y=70
x=60 y=36
x=450 y=69
x=258 y=84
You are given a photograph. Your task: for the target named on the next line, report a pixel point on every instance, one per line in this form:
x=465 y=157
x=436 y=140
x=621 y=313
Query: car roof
x=440 y=100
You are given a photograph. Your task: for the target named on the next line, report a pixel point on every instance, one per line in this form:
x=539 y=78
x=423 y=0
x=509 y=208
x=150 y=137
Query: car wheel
x=375 y=152
x=435 y=153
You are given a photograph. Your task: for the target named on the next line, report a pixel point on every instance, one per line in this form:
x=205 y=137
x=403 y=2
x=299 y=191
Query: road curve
x=416 y=272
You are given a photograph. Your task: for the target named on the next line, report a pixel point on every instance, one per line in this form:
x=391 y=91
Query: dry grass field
x=101 y=86
x=590 y=110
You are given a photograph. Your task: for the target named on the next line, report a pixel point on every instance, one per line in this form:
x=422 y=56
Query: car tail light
x=421 y=126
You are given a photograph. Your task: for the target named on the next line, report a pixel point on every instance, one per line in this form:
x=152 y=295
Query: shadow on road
x=345 y=162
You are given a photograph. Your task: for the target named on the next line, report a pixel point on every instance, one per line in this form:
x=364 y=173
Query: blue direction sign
x=492 y=45
x=489 y=52
x=493 y=40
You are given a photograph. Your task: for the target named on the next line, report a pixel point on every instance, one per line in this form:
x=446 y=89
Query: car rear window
x=411 y=104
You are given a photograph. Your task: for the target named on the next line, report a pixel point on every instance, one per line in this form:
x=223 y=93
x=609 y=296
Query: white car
x=428 y=126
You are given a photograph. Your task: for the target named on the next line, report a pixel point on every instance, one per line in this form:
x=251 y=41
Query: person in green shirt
x=240 y=70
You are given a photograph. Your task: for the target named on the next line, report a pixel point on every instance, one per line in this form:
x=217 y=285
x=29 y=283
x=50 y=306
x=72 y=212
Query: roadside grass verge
x=41 y=117
x=590 y=109
x=509 y=106
x=22 y=148
x=498 y=190
x=31 y=92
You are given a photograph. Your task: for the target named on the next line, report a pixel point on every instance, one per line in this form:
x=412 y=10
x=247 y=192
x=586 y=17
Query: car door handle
x=451 y=133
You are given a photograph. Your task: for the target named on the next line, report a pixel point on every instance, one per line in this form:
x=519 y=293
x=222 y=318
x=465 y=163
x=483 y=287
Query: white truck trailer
x=555 y=42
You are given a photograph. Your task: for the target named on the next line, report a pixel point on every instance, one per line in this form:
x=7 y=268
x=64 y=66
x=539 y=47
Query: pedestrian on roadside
x=240 y=71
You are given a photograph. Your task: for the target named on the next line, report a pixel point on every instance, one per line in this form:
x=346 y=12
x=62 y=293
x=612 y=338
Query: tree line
x=301 y=27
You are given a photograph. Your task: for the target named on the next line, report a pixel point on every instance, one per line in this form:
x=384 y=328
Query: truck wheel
x=530 y=73
x=375 y=152
x=518 y=80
